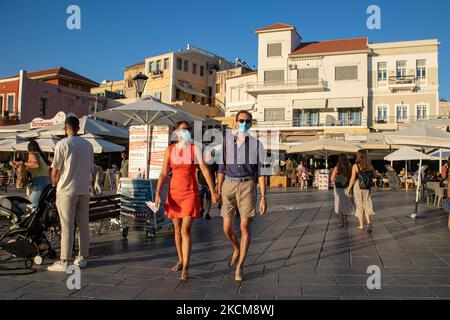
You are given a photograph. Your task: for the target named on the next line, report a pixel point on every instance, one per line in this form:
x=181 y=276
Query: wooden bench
x=104 y=208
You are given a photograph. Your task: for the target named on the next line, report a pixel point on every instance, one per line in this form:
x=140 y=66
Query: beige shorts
x=240 y=195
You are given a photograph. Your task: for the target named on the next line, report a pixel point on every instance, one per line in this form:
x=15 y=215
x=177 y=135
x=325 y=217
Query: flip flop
x=177 y=267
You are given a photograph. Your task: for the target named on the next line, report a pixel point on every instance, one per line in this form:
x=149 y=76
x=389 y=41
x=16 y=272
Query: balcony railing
x=307 y=85
x=402 y=83
x=312 y=123
x=395 y=119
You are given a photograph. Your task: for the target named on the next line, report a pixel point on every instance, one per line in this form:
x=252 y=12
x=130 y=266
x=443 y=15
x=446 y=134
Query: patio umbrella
x=422 y=136
x=102 y=146
x=87 y=126
x=324 y=148
x=46 y=144
x=442 y=154
x=9 y=144
x=407 y=154
x=148 y=112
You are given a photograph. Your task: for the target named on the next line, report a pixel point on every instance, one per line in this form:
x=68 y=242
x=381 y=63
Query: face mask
x=243 y=127
x=185 y=135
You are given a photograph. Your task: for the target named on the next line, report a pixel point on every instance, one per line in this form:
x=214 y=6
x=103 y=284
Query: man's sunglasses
x=246 y=121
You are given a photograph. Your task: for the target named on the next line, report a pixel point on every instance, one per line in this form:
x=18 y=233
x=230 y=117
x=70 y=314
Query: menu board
x=324 y=180
x=157 y=138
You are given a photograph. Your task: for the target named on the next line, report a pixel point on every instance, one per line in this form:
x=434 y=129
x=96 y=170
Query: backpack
x=365 y=179
x=341 y=182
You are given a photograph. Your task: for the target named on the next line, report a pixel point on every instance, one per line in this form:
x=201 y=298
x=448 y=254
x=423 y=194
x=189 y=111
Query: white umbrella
x=102 y=146
x=422 y=136
x=407 y=154
x=10 y=143
x=324 y=148
x=46 y=144
x=147 y=112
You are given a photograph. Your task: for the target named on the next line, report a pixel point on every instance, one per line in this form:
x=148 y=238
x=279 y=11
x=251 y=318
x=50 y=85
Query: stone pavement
x=298 y=252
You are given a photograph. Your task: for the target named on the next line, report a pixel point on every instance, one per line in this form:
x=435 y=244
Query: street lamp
x=139 y=81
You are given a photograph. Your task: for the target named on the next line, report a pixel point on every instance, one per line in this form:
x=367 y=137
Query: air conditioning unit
x=292 y=67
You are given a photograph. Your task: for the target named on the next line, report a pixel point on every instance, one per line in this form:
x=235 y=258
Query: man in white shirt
x=71 y=167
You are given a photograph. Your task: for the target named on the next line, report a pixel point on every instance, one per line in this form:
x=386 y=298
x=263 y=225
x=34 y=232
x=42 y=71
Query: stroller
x=26 y=237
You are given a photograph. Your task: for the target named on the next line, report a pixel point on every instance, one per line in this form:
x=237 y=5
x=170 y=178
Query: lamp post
x=139 y=81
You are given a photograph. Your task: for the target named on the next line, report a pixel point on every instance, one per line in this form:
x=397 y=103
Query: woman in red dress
x=183 y=201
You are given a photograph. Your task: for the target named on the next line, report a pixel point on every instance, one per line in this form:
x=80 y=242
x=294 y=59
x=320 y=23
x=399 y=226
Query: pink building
x=44 y=93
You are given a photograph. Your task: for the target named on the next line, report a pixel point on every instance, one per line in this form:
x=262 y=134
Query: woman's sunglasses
x=246 y=121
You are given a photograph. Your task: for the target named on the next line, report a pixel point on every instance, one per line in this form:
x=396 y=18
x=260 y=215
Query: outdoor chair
x=438 y=193
x=429 y=192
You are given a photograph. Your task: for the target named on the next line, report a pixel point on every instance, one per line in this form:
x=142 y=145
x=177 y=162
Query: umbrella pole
x=419 y=183
x=406 y=175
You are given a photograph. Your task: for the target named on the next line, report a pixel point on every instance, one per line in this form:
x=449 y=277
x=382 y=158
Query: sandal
x=239 y=277
x=177 y=267
x=185 y=276
x=361 y=228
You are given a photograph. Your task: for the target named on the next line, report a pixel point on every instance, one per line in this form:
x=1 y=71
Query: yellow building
x=444 y=109
x=184 y=78
x=110 y=89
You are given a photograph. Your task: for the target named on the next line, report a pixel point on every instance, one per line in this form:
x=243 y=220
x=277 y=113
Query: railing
x=311 y=123
x=402 y=82
x=296 y=84
x=394 y=119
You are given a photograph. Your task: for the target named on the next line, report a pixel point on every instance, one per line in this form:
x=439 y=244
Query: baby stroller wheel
x=38 y=260
x=124 y=232
x=28 y=264
x=151 y=233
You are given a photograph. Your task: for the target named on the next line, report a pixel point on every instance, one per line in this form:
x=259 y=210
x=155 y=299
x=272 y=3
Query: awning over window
x=191 y=91
x=345 y=103
x=310 y=104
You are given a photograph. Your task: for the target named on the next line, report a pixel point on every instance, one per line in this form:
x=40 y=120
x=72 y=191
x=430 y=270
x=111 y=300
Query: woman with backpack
x=341 y=175
x=361 y=184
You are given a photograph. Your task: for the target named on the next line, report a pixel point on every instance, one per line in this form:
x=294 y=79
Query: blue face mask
x=185 y=135
x=243 y=127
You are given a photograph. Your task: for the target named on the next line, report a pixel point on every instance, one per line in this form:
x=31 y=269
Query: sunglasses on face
x=246 y=121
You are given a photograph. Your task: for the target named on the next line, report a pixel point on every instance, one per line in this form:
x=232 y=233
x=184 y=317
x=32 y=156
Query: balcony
x=402 y=83
x=310 y=85
x=328 y=123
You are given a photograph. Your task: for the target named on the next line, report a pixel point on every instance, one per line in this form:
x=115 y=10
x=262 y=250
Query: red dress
x=183 y=196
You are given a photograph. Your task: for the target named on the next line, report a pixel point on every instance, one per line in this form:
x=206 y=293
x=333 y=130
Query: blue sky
x=115 y=34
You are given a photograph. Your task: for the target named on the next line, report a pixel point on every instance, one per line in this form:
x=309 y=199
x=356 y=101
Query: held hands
x=157 y=199
x=215 y=197
x=262 y=206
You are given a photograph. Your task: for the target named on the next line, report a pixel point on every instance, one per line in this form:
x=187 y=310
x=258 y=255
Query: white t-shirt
x=74 y=157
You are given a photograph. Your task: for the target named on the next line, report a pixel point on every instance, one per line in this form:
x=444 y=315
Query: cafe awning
x=345 y=103
x=190 y=91
x=310 y=104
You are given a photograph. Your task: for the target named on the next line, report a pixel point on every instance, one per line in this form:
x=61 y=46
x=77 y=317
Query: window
x=217 y=87
x=130 y=83
x=274 y=76
x=10 y=106
x=194 y=98
x=306 y=118
x=274 y=50
x=1 y=103
x=274 y=114
x=151 y=66
x=177 y=94
x=158 y=65
x=308 y=76
x=186 y=65
x=210 y=92
x=401 y=69
x=166 y=63
x=202 y=71
x=179 y=64
x=157 y=95
x=194 y=68
x=421 y=69
x=382 y=113
x=43 y=107
x=402 y=113
x=346 y=73
x=203 y=100
x=421 y=112
x=350 y=117
x=382 y=71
